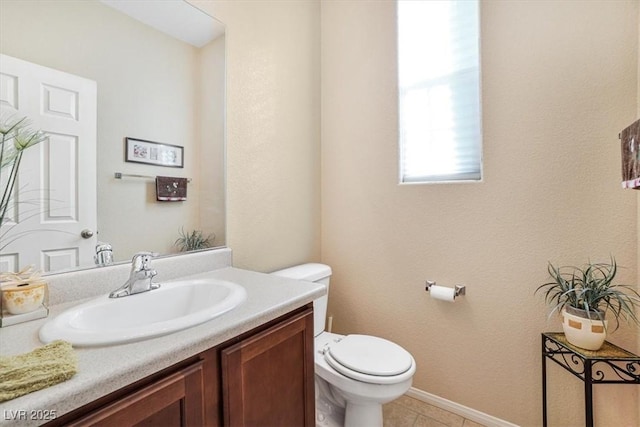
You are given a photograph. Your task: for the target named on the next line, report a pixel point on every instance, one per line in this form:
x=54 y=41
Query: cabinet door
x=176 y=400
x=268 y=378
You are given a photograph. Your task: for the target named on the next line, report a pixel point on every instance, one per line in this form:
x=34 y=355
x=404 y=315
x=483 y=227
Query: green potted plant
x=584 y=296
x=193 y=240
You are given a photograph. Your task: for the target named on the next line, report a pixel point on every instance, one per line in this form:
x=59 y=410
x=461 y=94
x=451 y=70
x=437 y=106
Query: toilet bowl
x=355 y=374
x=360 y=385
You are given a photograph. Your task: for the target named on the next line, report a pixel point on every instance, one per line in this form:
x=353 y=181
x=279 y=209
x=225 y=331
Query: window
x=439 y=91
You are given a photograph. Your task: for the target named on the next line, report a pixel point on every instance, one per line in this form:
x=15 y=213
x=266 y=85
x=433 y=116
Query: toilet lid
x=368 y=355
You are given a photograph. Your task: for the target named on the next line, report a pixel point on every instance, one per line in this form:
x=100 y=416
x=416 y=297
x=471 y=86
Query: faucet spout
x=140 y=278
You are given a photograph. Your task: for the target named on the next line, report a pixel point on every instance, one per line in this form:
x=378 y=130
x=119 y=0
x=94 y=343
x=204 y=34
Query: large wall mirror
x=154 y=77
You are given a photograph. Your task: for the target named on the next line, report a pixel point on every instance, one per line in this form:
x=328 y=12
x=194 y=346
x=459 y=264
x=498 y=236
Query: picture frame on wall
x=153 y=153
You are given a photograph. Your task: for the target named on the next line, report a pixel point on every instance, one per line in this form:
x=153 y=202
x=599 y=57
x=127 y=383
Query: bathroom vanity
x=263 y=377
x=252 y=365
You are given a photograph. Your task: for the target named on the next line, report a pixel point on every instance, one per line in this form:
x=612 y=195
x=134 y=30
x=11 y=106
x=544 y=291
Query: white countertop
x=102 y=370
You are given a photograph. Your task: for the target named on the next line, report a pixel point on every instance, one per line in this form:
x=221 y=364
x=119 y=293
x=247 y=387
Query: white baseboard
x=456 y=408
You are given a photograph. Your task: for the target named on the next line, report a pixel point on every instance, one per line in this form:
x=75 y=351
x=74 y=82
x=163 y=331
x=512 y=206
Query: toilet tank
x=317 y=273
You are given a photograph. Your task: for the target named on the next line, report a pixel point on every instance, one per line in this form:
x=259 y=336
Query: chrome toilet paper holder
x=459 y=289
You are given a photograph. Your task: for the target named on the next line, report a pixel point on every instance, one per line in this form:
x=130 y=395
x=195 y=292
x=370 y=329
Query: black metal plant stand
x=609 y=365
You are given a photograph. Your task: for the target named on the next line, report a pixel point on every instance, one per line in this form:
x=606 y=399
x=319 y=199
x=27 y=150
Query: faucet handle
x=141 y=260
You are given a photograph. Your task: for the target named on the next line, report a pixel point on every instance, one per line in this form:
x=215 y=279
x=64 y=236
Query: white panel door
x=55 y=195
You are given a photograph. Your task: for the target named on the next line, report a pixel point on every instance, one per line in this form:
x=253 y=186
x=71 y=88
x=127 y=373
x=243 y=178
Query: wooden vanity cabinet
x=268 y=378
x=264 y=377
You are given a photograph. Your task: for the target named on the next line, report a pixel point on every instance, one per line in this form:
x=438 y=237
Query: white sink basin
x=174 y=306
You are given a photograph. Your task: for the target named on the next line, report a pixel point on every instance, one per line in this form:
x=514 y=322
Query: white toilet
x=355 y=374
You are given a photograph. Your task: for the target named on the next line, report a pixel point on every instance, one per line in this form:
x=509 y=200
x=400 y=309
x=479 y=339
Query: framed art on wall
x=154 y=153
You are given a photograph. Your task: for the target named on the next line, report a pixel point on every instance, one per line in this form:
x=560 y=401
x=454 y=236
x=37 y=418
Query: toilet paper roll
x=442 y=293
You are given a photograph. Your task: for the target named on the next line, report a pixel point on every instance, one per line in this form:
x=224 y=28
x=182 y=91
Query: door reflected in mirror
x=153 y=82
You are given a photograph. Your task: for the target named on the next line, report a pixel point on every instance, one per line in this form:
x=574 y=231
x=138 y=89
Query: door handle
x=86 y=233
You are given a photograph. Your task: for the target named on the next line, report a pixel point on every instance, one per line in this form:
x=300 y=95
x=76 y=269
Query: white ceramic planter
x=582 y=332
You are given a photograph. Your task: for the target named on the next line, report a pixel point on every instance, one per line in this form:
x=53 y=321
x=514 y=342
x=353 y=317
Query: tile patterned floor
x=409 y=412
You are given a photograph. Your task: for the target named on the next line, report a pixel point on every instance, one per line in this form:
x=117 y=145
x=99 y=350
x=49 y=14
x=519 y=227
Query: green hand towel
x=41 y=368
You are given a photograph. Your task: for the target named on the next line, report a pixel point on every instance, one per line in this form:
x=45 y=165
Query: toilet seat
x=370 y=359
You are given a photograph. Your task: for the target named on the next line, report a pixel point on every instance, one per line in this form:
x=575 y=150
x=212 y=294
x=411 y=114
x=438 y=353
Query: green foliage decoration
x=16 y=137
x=591 y=288
x=193 y=240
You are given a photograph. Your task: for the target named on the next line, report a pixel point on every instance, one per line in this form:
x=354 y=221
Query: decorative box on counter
x=23 y=297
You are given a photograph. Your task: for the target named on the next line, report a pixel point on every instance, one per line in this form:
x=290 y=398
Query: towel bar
x=120 y=175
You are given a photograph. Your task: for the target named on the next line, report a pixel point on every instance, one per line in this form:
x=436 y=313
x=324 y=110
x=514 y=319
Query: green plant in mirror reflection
x=17 y=137
x=193 y=240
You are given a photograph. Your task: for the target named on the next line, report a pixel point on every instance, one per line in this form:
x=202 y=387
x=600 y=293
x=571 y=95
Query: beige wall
x=212 y=117
x=273 y=130
x=559 y=83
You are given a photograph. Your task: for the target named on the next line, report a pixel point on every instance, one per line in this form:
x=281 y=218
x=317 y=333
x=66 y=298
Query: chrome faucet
x=140 y=278
x=104 y=254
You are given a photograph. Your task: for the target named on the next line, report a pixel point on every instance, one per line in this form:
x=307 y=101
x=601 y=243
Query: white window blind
x=439 y=90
